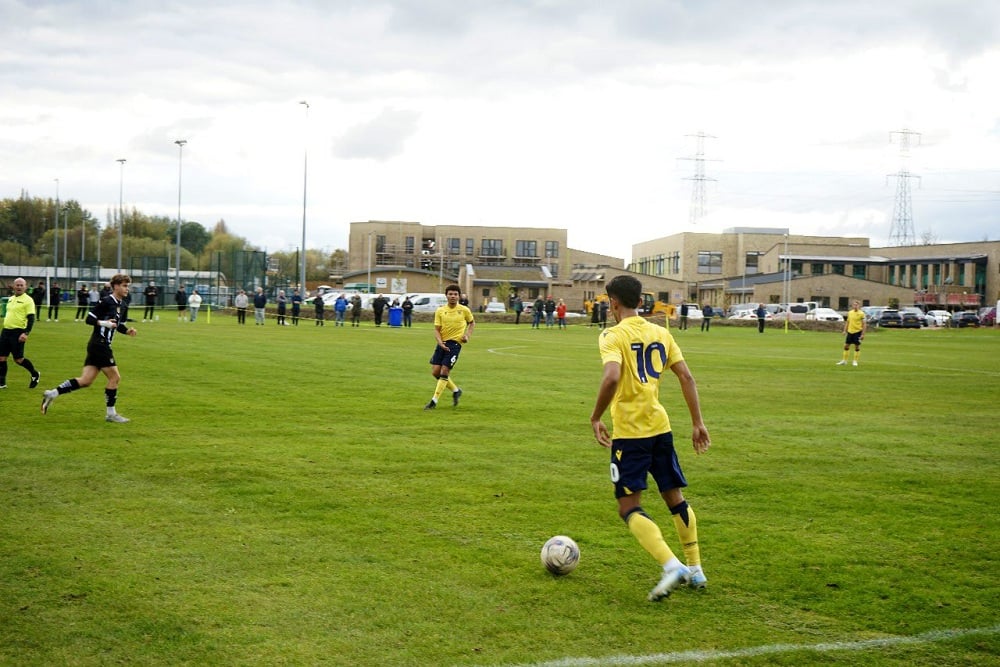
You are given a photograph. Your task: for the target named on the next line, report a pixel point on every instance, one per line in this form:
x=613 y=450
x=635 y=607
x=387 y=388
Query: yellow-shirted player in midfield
x=453 y=323
x=854 y=329
x=636 y=353
x=16 y=326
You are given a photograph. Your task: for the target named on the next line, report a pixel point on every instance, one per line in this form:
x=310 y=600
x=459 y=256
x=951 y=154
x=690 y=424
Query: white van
x=427 y=303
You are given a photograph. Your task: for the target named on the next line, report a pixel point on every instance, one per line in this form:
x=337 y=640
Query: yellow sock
x=452 y=387
x=845 y=355
x=857 y=355
x=442 y=383
x=649 y=536
x=688 y=532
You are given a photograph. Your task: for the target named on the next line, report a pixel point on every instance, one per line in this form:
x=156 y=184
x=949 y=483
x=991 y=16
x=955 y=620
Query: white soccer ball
x=560 y=555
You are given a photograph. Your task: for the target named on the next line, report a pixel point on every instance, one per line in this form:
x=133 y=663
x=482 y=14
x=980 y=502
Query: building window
x=410 y=245
x=526 y=248
x=842 y=303
x=752 y=262
x=492 y=248
x=816 y=268
x=453 y=246
x=675 y=263
x=552 y=248
x=859 y=271
x=838 y=269
x=797 y=267
x=709 y=262
x=470 y=247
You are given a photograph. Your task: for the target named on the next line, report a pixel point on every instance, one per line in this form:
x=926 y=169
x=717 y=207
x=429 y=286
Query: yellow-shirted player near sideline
x=854 y=329
x=636 y=353
x=17 y=325
x=453 y=323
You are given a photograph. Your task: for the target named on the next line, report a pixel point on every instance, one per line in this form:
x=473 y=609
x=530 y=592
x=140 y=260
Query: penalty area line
x=695 y=656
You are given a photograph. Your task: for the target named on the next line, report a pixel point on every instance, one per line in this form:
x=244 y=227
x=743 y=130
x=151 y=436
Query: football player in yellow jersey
x=16 y=326
x=636 y=353
x=854 y=329
x=453 y=323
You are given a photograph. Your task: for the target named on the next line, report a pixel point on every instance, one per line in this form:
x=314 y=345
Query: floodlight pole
x=121 y=214
x=180 y=165
x=305 y=183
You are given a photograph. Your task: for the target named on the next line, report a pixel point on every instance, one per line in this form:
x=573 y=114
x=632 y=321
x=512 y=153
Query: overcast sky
x=577 y=114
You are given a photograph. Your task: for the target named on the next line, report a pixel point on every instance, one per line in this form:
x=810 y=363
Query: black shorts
x=633 y=459
x=10 y=345
x=446 y=358
x=853 y=338
x=99 y=356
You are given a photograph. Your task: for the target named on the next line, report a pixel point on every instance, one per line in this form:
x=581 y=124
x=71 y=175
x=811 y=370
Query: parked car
x=939 y=318
x=825 y=315
x=990 y=318
x=749 y=315
x=872 y=313
x=910 y=320
x=917 y=312
x=966 y=318
x=694 y=313
x=890 y=317
x=495 y=307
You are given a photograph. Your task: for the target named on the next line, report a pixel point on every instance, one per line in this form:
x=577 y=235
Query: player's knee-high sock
x=68 y=386
x=687 y=530
x=3 y=372
x=442 y=384
x=845 y=353
x=857 y=355
x=451 y=386
x=110 y=398
x=648 y=535
x=27 y=365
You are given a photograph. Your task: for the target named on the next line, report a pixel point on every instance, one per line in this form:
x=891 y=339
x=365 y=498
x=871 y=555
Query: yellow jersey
x=855 y=321
x=645 y=352
x=453 y=321
x=18 y=309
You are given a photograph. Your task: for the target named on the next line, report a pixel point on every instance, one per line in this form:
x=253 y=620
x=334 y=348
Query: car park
x=910 y=320
x=495 y=307
x=872 y=313
x=825 y=315
x=966 y=318
x=749 y=315
x=890 y=317
x=989 y=319
x=939 y=318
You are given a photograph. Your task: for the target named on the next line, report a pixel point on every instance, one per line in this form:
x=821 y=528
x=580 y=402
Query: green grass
x=280 y=497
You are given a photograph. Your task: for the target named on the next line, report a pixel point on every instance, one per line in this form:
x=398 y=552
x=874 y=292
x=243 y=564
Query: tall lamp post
x=65 y=261
x=55 y=236
x=121 y=209
x=180 y=163
x=305 y=183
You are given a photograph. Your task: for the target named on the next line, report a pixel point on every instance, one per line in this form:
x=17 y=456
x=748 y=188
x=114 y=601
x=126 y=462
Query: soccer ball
x=560 y=555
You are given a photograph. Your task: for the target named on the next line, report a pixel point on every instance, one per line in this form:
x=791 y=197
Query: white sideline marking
x=755 y=651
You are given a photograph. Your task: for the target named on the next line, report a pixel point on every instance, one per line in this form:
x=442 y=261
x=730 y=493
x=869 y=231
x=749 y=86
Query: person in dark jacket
x=378 y=305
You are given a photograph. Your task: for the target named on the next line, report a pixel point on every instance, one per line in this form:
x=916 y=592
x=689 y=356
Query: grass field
x=281 y=498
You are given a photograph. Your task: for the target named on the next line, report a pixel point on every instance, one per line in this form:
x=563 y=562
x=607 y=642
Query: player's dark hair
x=120 y=278
x=626 y=289
x=453 y=288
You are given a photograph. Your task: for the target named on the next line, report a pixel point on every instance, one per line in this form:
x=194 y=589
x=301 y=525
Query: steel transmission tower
x=697 y=209
x=901 y=232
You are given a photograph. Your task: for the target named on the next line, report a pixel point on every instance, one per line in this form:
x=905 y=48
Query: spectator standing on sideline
x=453 y=323
x=407 y=307
x=109 y=317
x=194 y=303
x=318 y=304
x=537 y=311
x=604 y=312
x=296 y=307
x=355 y=311
x=259 y=306
x=339 y=310
x=561 y=314
x=378 y=306
x=282 y=301
x=635 y=354
x=181 y=299
x=464 y=300
x=241 y=301
x=854 y=329
x=684 y=315
x=93 y=298
x=595 y=314
x=38 y=296
x=706 y=322
x=55 y=296
x=17 y=324
x=550 y=311
x=151 y=292
x=82 y=302
x=761 y=314
x=518 y=309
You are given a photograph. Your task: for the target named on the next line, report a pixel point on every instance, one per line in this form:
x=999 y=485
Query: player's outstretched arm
x=699 y=433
